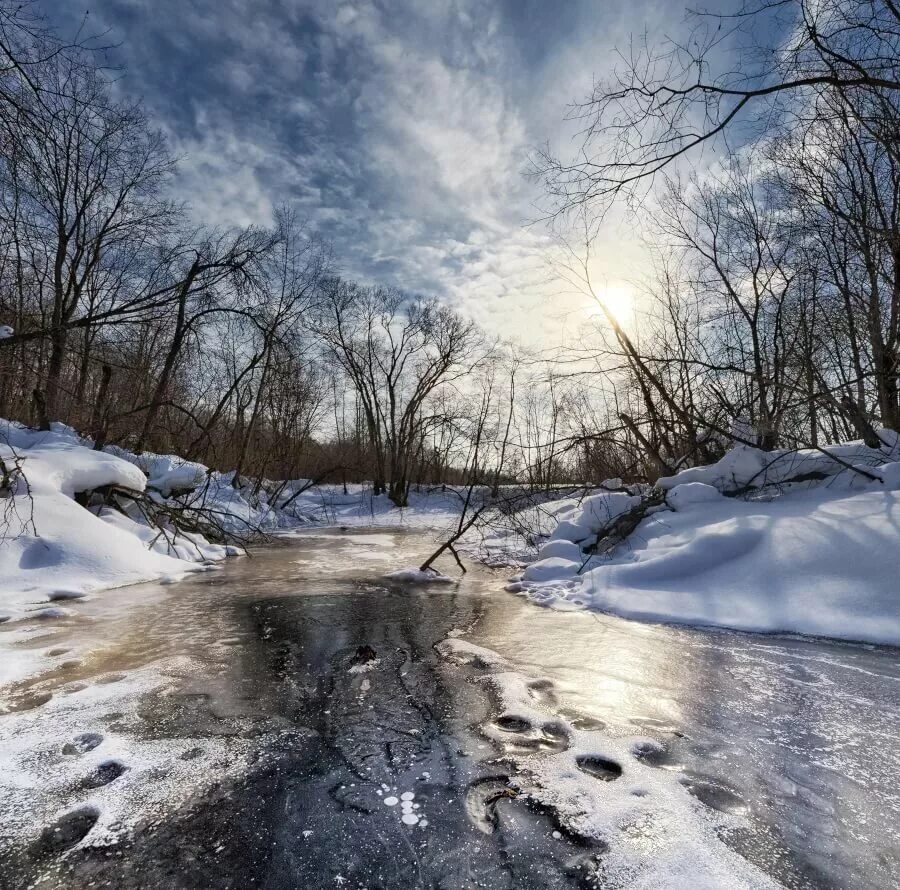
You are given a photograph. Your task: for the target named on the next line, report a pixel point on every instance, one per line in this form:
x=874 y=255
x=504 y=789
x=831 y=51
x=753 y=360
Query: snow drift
x=53 y=548
x=813 y=548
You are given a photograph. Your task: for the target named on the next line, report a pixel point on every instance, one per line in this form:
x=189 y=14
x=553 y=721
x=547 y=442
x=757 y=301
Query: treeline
x=772 y=316
x=123 y=318
x=238 y=347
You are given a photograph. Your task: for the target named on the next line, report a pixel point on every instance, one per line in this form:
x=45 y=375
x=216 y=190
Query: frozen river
x=295 y=720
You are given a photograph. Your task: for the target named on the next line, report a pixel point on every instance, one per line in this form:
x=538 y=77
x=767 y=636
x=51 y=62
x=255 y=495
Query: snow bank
x=236 y=511
x=53 y=548
x=822 y=561
x=745 y=467
x=430 y=508
x=593 y=513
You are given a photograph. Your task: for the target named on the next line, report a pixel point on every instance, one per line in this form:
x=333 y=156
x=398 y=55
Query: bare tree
x=666 y=101
x=397 y=352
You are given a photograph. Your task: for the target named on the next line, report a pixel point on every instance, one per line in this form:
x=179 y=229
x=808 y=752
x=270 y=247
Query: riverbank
x=800 y=541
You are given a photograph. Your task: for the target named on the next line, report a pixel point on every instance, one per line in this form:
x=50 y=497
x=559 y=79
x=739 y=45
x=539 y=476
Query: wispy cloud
x=401 y=130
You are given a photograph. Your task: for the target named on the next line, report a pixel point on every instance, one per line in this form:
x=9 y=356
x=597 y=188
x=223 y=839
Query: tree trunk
x=100 y=416
x=58 y=341
x=162 y=384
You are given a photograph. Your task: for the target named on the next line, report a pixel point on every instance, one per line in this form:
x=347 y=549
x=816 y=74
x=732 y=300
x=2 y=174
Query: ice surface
x=657 y=833
x=417 y=576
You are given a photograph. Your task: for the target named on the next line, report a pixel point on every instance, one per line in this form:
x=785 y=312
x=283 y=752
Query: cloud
x=400 y=130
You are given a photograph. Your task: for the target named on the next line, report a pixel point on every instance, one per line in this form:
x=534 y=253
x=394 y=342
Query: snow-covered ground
x=816 y=556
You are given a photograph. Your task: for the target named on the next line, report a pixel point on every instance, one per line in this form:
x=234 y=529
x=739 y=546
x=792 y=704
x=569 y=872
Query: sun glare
x=617 y=298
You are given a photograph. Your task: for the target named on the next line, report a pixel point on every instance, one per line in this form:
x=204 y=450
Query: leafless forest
x=769 y=190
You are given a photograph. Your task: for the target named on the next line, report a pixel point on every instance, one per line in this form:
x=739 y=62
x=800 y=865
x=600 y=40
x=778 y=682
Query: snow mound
x=555 y=567
x=821 y=561
x=168 y=472
x=592 y=514
x=682 y=497
x=560 y=549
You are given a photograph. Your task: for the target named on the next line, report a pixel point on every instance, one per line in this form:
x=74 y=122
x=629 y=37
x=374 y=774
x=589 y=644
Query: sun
x=617 y=298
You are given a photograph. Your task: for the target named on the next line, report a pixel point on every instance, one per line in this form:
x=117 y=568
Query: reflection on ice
x=789 y=744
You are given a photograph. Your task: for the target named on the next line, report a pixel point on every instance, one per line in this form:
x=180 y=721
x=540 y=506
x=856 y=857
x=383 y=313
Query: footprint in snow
x=68 y=830
x=82 y=743
x=192 y=754
x=714 y=793
x=106 y=772
x=511 y=723
x=651 y=752
x=29 y=701
x=110 y=678
x=57 y=595
x=542 y=691
x=50 y=613
x=524 y=736
x=482 y=798
x=599 y=767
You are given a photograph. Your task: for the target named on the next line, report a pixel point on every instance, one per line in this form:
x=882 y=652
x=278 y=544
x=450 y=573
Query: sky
x=399 y=129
